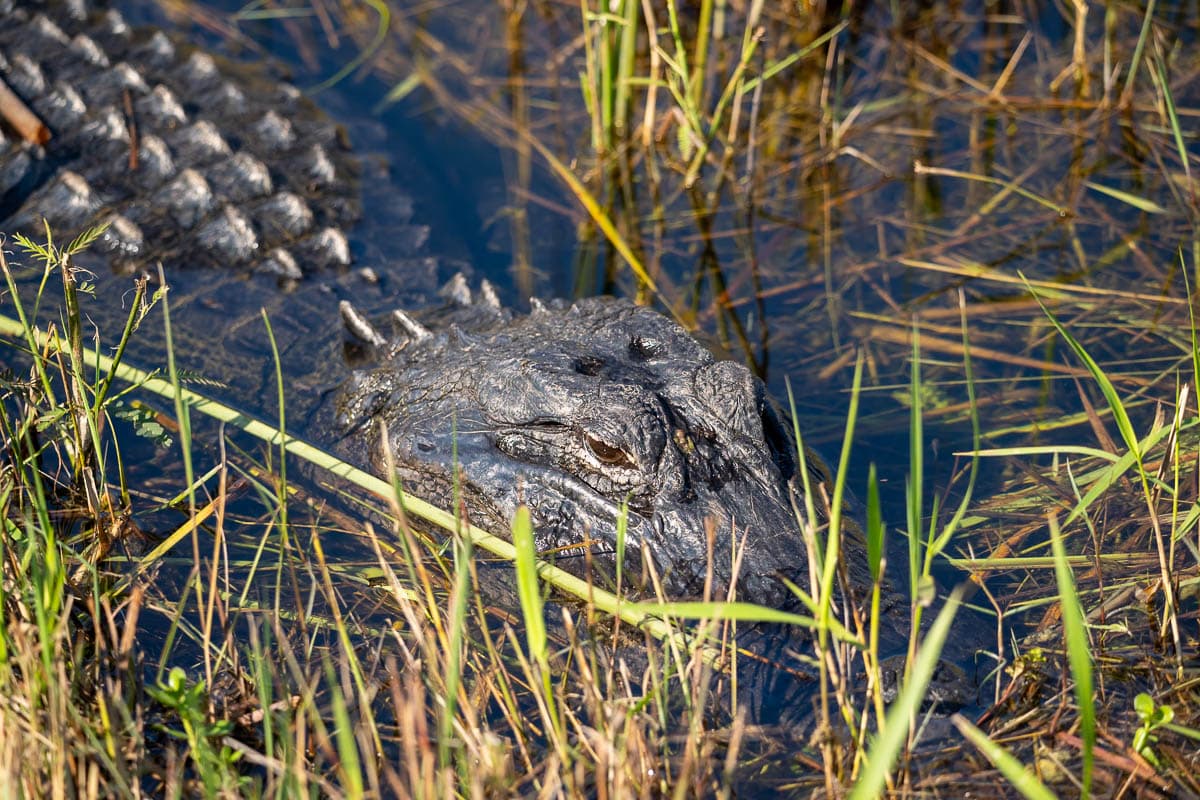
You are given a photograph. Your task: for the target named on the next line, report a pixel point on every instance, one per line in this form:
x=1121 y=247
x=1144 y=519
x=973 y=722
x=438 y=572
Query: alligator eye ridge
x=778 y=441
x=607 y=454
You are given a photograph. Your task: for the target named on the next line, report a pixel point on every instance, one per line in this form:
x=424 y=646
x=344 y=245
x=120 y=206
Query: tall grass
x=68 y=717
x=459 y=691
x=332 y=711
x=478 y=700
x=906 y=171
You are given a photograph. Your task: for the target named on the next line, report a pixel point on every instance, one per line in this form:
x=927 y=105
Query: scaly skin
x=189 y=161
x=573 y=410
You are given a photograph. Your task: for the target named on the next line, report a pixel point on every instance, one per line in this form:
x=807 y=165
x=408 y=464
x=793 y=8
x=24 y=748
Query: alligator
x=584 y=412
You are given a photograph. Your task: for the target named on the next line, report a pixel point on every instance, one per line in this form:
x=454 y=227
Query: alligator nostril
x=644 y=348
x=589 y=365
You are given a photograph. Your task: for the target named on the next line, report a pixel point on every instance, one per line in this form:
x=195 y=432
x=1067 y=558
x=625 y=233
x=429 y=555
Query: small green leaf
x=1140 y=203
x=398 y=92
x=143 y=420
x=85 y=239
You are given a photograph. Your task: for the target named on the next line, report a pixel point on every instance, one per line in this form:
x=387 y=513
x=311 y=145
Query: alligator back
x=188 y=160
x=197 y=161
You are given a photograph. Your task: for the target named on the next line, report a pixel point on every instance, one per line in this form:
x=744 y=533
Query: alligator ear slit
x=415 y=330
x=359 y=326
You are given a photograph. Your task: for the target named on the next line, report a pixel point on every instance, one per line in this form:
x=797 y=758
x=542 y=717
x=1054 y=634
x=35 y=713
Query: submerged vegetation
x=983 y=221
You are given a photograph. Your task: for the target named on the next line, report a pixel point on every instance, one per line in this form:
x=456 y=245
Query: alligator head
x=573 y=410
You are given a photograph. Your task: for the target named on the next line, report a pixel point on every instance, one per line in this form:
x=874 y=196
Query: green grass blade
x=741 y=612
x=529 y=588
x=1042 y=450
x=459 y=601
x=626 y=62
x=282 y=503
x=1106 y=477
x=1078 y=651
x=1120 y=415
x=1136 y=61
x=916 y=462
x=349 y=768
x=884 y=749
x=775 y=67
x=179 y=396
x=1183 y=272
x=1021 y=778
x=943 y=539
x=622 y=541
x=810 y=508
x=381 y=30
x=833 y=540
x=1182 y=730
x=398 y=92
x=1140 y=203
x=1164 y=85
x=875 y=528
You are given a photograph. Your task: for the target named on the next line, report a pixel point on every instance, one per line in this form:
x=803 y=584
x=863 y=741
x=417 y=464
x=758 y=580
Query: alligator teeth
x=487 y=294
x=415 y=330
x=359 y=327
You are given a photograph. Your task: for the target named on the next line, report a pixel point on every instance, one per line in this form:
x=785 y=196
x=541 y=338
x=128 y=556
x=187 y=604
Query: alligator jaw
x=754 y=524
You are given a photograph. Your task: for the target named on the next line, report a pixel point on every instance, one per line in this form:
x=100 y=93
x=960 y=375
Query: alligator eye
x=607 y=454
